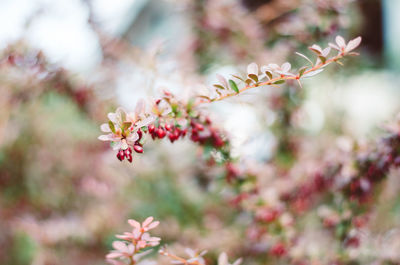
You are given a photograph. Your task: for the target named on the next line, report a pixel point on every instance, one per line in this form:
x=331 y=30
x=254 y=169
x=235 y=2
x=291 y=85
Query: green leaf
x=111 y=125
x=279 y=82
x=233 y=85
x=126 y=125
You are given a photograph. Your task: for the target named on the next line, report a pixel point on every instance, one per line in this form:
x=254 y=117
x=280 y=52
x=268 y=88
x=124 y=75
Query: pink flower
x=139 y=234
x=343 y=47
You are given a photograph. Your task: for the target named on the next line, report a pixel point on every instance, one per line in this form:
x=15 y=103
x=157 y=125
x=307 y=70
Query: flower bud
x=138 y=149
x=151 y=128
x=161 y=133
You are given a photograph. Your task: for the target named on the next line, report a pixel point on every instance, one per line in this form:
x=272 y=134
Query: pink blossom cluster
x=130 y=249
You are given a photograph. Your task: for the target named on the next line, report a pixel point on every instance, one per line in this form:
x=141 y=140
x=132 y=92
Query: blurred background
x=66 y=63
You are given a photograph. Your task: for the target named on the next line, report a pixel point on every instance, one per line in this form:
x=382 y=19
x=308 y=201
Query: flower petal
x=120 y=246
x=140 y=106
x=286 y=67
x=334 y=46
x=106 y=137
x=134 y=223
x=223 y=259
x=105 y=127
x=238 y=261
x=144 y=122
x=340 y=42
x=326 y=51
x=114 y=255
x=153 y=225
x=353 y=44
x=147 y=221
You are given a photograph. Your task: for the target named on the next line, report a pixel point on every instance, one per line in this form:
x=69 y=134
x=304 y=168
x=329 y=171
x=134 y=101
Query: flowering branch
x=282 y=73
x=175 y=118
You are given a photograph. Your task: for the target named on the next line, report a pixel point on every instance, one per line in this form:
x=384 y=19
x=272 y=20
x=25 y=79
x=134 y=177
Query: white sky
x=61 y=30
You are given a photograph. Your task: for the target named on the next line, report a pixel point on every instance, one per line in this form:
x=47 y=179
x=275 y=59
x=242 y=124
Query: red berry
x=140 y=134
x=151 y=128
x=168 y=127
x=199 y=126
x=161 y=133
x=121 y=155
x=138 y=149
x=129 y=157
x=128 y=151
x=278 y=250
x=184 y=132
x=172 y=137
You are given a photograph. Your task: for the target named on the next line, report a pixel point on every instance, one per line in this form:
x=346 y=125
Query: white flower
x=223 y=260
x=343 y=47
x=140 y=117
x=122 y=127
x=118 y=131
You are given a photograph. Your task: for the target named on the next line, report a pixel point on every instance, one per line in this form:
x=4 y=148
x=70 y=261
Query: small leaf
x=339 y=62
x=233 y=85
x=302 y=70
x=126 y=125
x=238 y=77
x=205 y=97
x=219 y=86
x=316 y=49
x=269 y=74
x=248 y=81
x=279 y=82
x=315 y=72
x=322 y=58
x=254 y=77
x=111 y=125
x=305 y=57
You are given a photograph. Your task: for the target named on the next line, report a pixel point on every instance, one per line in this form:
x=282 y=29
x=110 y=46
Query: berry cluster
x=173 y=132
